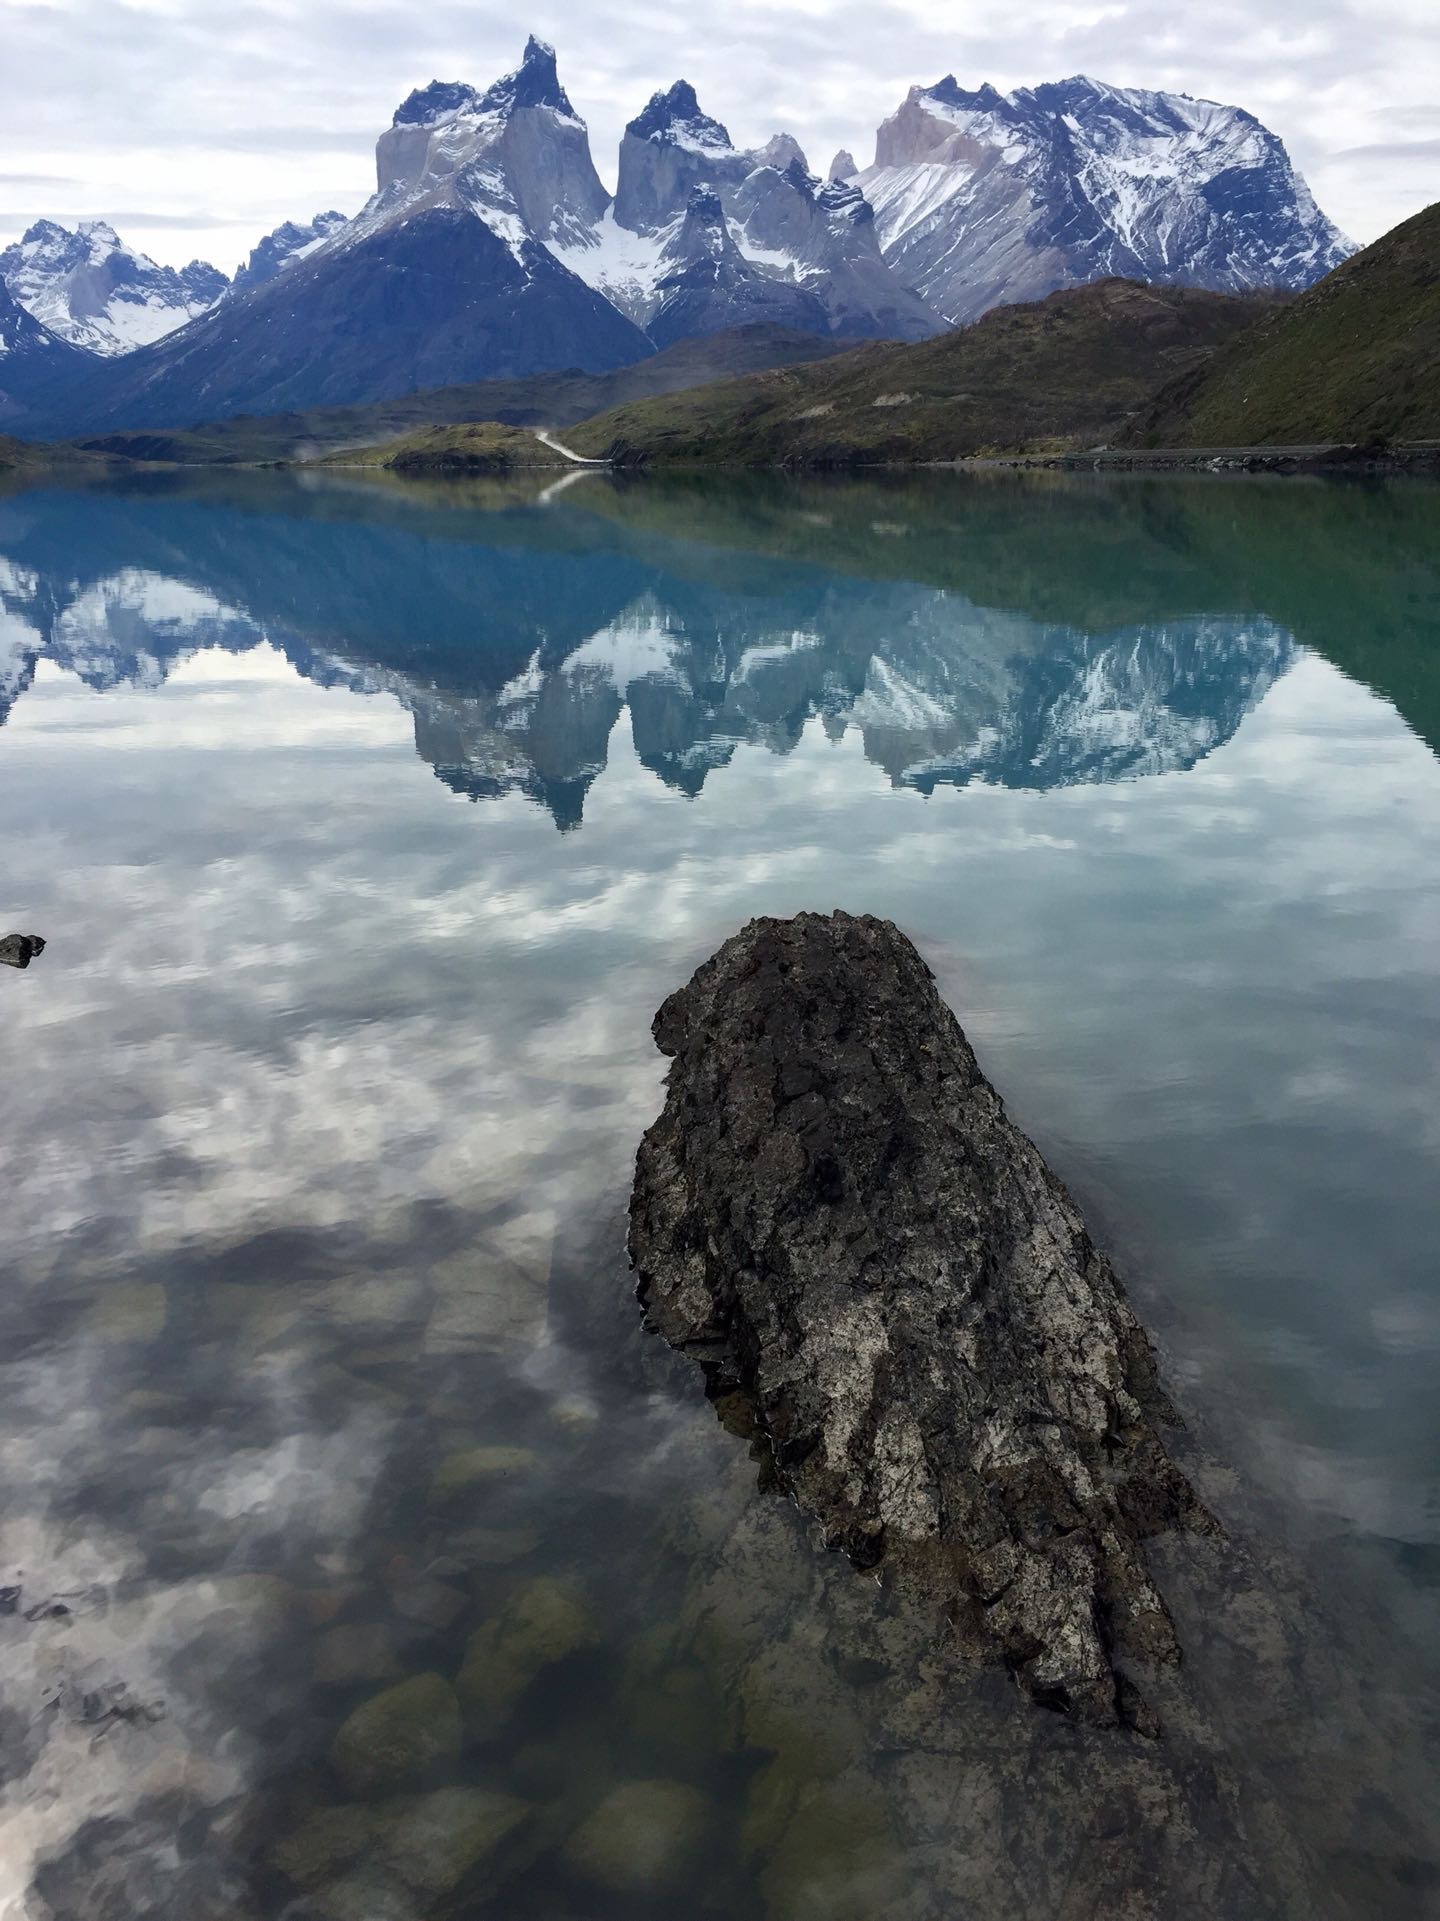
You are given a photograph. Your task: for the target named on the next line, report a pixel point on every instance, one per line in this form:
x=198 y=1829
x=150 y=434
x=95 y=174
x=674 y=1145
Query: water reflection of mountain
x=517 y=647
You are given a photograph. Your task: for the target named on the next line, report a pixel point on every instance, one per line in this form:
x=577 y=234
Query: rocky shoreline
x=1339 y=458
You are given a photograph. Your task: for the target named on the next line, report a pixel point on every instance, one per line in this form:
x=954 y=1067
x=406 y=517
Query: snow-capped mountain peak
x=517 y=156
x=983 y=197
x=534 y=83
x=674 y=117
x=88 y=287
x=291 y=241
x=438 y=101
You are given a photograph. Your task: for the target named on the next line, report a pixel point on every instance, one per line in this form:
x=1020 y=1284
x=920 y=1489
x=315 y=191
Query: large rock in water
x=836 y=1218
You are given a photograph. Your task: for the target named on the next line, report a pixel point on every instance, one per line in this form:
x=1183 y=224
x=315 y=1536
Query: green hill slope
x=1355 y=358
x=1055 y=373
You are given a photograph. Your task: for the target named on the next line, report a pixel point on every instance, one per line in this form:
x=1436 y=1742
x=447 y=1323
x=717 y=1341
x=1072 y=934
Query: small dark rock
x=835 y=1216
x=18 y=950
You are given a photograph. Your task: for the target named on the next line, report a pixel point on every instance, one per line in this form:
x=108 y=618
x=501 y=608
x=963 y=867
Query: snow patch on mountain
x=623 y=265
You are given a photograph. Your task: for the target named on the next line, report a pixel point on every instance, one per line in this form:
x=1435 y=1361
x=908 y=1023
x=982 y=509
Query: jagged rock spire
x=677 y=108
x=435 y=102
x=534 y=83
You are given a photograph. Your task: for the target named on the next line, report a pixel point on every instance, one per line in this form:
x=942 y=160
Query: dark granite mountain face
x=517 y=155
x=666 y=152
x=835 y=1217
x=534 y=83
x=37 y=367
x=437 y=299
x=709 y=285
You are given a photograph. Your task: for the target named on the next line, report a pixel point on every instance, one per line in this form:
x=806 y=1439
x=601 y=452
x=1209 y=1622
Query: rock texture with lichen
x=835 y=1216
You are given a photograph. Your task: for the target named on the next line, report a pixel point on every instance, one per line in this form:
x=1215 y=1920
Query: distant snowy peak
x=781 y=151
x=91 y=289
x=293 y=240
x=843 y=166
x=983 y=197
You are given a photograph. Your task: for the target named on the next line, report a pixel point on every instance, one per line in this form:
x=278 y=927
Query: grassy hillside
x=18 y=455
x=543 y=400
x=1057 y=373
x=25 y=457
x=1356 y=357
x=476 y=447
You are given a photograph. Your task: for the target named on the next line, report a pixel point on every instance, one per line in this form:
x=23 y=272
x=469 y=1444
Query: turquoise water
x=367 y=829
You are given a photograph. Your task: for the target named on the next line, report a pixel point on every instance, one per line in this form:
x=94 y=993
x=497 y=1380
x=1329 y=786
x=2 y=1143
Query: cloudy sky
x=195 y=128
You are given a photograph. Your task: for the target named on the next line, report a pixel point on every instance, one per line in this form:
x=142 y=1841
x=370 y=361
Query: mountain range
x=492 y=248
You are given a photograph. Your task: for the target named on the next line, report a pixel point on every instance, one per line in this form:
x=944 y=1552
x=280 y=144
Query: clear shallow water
x=368 y=830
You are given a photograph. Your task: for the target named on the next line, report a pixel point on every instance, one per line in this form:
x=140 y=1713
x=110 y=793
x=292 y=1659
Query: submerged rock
x=835 y=1217
x=545 y=1623
x=644 y=1837
x=370 y=1860
x=398 y=1735
x=18 y=950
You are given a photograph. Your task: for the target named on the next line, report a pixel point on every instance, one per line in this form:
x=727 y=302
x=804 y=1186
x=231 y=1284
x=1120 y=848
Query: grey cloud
x=1394 y=150
x=185 y=222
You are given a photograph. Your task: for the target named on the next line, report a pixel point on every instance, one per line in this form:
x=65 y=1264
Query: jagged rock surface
x=983 y=198
x=787 y=227
x=709 y=284
x=836 y=1218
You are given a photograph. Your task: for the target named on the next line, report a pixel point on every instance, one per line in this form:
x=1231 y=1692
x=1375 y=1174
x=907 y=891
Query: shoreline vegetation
x=1110 y=376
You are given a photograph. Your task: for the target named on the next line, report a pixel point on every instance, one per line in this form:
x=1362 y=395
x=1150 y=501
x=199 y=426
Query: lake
x=362 y=1556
